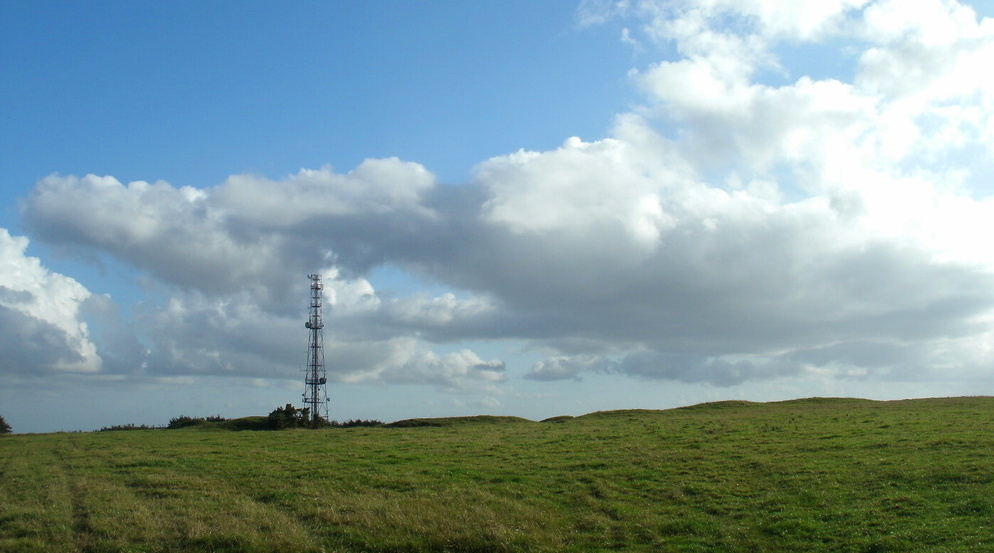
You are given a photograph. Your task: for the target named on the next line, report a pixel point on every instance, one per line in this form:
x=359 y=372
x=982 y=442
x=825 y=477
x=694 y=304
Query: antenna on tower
x=315 y=382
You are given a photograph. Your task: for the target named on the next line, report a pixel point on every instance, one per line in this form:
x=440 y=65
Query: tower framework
x=316 y=379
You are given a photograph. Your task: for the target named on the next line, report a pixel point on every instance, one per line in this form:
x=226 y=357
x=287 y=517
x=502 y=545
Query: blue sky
x=524 y=208
x=271 y=88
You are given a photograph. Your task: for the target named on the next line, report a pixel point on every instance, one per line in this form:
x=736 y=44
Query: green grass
x=835 y=475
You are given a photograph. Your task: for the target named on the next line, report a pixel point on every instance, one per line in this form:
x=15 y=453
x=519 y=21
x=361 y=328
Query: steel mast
x=315 y=389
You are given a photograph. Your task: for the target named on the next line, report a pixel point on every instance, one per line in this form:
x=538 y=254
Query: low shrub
x=355 y=422
x=184 y=421
x=128 y=427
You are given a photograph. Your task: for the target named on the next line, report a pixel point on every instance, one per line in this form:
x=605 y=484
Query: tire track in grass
x=124 y=495
x=81 y=526
x=236 y=470
x=34 y=498
x=209 y=510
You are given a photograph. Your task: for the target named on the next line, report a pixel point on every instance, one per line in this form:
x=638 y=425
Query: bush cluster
x=128 y=427
x=184 y=421
x=292 y=417
x=4 y=427
x=354 y=422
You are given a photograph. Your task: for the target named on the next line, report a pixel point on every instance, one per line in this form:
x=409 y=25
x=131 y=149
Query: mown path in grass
x=808 y=475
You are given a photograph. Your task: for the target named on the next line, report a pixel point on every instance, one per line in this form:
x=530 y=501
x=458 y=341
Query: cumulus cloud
x=455 y=371
x=376 y=186
x=734 y=227
x=44 y=331
x=248 y=233
x=562 y=367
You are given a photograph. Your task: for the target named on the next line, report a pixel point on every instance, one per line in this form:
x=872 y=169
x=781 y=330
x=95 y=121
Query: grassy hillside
x=809 y=475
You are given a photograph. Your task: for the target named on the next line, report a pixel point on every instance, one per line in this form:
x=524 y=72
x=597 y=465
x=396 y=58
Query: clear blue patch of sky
x=393 y=282
x=191 y=93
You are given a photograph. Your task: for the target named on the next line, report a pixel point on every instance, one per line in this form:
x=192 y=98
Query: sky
x=518 y=208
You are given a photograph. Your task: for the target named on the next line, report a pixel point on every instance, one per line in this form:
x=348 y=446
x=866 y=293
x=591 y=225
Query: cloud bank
x=744 y=223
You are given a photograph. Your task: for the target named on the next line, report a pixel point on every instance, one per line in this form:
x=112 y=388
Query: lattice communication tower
x=315 y=382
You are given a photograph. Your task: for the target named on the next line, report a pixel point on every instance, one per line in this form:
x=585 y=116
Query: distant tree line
x=4 y=427
x=281 y=418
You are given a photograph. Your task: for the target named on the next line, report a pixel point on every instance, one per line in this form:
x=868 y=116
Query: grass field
x=808 y=475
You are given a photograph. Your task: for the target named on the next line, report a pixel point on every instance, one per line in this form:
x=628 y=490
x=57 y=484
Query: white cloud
x=41 y=312
x=344 y=295
x=928 y=22
x=606 y=188
x=172 y=232
x=425 y=312
x=453 y=370
x=408 y=361
x=563 y=367
x=249 y=233
x=380 y=186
